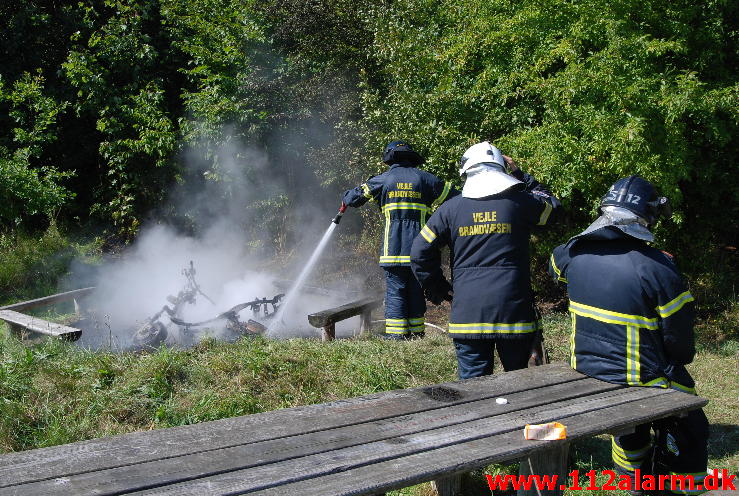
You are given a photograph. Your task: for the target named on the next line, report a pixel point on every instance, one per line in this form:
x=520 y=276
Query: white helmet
x=485 y=171
x=481 y=153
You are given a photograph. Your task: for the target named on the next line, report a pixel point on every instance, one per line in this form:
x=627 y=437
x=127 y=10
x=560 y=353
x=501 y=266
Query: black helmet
x=399 y=152
x=639 y=196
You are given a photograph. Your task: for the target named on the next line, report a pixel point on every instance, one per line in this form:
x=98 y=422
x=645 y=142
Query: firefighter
x=487 y=229
x=632 y=324
x=407 y=196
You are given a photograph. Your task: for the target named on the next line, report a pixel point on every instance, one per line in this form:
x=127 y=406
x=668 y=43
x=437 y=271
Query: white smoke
x=235 y=225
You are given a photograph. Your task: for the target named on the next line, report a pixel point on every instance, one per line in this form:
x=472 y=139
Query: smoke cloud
x=247 y=224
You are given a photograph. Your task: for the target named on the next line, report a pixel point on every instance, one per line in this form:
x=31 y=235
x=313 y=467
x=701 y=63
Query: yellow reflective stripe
x=545 y=214
x=390 y=330
x=573 y=358
x=428 y=234
x=367 y=192
x=420 y=328
x=404 y=206
x=386 y=238
x=489 y=328
x=556 y=269
x=659 y=381
x=695 y=475
x=629 y=454
x=397 y=321
x=665 y=311
x=633 y=365
x=679 y=387
x=611 y=317
x=625 y=464
x=395 y=259
x=443 y=195
x=682 y=484
x=417 y=321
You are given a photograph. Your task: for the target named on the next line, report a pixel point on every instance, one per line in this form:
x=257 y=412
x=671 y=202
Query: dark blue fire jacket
x=407 y=196
x=489 y=250
x=632 y=315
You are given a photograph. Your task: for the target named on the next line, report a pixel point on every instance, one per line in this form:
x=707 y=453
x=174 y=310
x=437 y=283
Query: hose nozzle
x=337 y=219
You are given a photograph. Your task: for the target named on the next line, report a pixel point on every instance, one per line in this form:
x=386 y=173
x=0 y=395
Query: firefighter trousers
x=679 y=447
x=475 y=356
x=405 y=304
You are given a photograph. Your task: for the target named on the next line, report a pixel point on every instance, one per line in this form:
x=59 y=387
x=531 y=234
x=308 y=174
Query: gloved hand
x=439 y=294
x=433 y=297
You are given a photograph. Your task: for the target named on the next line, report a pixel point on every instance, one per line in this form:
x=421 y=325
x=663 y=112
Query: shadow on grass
x=723 y=440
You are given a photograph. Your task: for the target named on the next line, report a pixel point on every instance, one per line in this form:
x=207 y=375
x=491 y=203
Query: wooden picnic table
x=365 y=445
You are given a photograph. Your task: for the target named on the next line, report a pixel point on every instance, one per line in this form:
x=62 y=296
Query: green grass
x=54 y=393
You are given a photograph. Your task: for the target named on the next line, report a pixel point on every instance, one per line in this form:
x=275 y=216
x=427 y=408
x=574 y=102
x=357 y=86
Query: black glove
x=438 y=294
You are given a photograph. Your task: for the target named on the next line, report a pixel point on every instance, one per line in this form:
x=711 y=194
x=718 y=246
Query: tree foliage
x=581 y=93
x=100 y=99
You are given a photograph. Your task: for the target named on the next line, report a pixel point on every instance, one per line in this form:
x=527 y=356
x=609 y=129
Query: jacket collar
x=400 y=164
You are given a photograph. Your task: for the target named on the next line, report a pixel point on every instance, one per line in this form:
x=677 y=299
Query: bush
x=31 y=266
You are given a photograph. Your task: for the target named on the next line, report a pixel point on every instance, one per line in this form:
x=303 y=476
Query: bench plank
x=40 y=326
x=163 y=472
x=460 y=458
x=139 y=447
x=333 y=315
x=49 y=300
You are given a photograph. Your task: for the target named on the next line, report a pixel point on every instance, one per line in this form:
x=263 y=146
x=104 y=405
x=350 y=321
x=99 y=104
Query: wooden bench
x=327 y=319
x=365 y=445
x=21 y=324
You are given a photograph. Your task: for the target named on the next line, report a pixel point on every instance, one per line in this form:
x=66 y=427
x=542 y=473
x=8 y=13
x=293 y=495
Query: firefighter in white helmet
x=487 y=229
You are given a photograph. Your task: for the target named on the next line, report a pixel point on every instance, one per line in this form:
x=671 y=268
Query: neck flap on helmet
x=623 y=219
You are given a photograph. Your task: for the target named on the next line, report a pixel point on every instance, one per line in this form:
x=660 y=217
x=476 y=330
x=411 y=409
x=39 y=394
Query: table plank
x=204 y=464
x=139 y=447
x=460 y=458
x=398 y=448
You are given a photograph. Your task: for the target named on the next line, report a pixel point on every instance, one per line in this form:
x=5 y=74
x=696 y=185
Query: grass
x=54 y=393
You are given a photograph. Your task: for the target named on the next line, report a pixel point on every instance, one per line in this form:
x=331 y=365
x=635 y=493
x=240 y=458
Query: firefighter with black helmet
x=632 y=324
x=406 y=195
x=487 y=229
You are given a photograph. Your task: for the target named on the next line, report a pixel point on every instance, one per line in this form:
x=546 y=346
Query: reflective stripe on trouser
x=680 y=448
x=404 y=302
x=630 y=452
x=680 y=483
x=416 y=325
